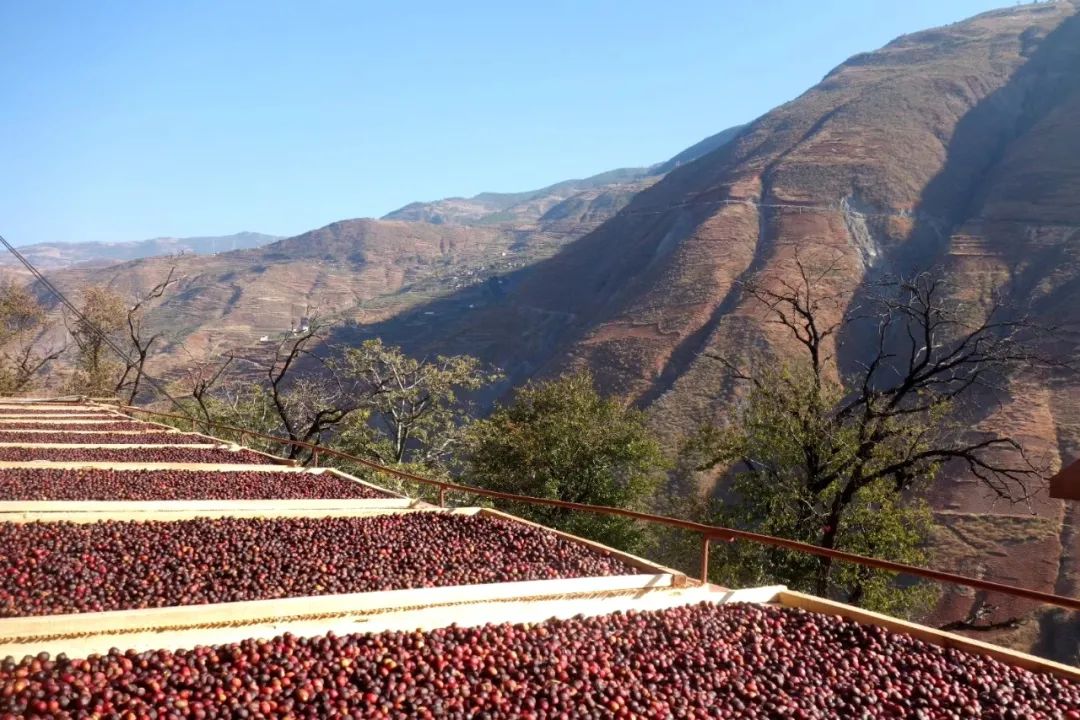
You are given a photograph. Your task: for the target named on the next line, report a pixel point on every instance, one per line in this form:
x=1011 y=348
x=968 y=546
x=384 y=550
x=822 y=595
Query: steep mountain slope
x=879 y=143
x=50 y=256
x=956 y=147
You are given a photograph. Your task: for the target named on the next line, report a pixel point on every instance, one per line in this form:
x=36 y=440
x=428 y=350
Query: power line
x=150 y=380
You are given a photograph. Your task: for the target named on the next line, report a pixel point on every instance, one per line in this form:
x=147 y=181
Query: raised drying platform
x=77 y=631
x=429 y=608
x=71 y=509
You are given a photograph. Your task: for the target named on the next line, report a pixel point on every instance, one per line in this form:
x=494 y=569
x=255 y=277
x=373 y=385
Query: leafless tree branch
x=135 y=365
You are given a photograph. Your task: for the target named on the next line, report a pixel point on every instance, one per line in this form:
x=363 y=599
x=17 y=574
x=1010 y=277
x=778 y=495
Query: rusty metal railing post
x=442 y=496
x=704 y=558
x=315 y=456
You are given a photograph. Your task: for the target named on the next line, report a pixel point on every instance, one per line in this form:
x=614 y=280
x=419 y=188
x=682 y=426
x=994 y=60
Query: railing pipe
x=707 y=532
x=705 y=558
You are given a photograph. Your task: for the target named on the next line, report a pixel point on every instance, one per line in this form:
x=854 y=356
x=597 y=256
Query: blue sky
x=127 y=120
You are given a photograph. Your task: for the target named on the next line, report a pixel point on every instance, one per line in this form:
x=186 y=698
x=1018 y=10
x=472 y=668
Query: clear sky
x=122 y=120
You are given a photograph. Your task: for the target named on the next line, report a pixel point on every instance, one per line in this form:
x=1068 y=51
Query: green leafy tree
x=24 y=351
x=843 y=461
x=411 y=411
x=373 y=401
x=563 y=440
x=241 y=405
x=97 y=368
x=789 y=458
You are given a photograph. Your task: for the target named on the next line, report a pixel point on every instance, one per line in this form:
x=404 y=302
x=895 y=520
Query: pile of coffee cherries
x=100 y=484
x=15 y=424
x=92 y=437
x=146 y=455
x=702 y=661
x=23 y=412
x=62 y=567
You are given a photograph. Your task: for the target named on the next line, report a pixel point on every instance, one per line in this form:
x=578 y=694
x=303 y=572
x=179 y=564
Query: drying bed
x=75 y=484
x=90 y=437
x=47 y=414
x=54 y=568
x=218 y=456
x=54 y=410
x=72 y=424
x=701 y=661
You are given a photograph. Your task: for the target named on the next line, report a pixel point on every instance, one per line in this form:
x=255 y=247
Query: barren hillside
x=365 y=270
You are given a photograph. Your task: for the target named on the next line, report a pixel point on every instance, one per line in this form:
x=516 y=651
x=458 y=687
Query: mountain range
x=954 y=148
x=366 y=270
x=52 y=256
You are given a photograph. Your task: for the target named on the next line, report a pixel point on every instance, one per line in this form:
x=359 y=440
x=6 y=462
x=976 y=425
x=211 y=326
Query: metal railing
x=708 y=533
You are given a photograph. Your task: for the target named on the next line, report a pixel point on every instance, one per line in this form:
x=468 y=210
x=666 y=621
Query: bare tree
x=896 y=420
x=139 y=345
x=203 y=377
x=309 y=406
